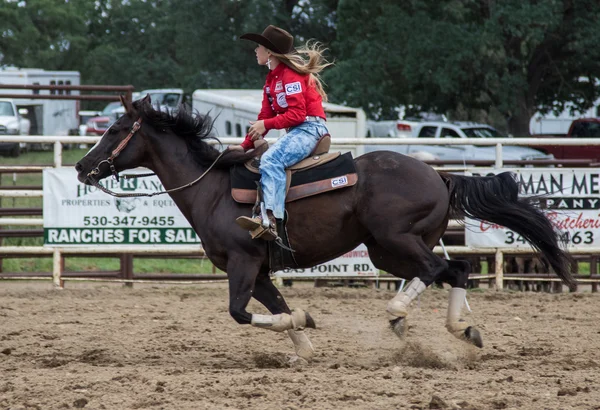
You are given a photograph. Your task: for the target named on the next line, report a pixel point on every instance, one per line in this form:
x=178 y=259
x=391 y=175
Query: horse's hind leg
x=457 y=276
x=267 y=294
x=415 y=260
x=410 y=259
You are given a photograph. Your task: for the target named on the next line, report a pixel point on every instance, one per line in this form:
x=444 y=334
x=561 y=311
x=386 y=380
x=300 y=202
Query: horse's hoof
x=398 y=326
x=310 y=323
x=297 y=361
x=473 y=336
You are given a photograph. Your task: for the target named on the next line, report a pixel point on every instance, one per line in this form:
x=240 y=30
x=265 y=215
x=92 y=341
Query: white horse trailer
x=232 y=111
x=47 y=117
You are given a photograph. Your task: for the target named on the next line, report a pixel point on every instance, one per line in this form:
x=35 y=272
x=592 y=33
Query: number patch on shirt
x=293 y=88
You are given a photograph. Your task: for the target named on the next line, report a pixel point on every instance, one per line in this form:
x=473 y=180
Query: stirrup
x=249 y=223
x=267 y=234
x=254 y=225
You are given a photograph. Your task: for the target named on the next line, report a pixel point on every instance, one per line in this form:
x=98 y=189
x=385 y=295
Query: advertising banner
x=570 y=198
x=351 y=264
x=76 y=214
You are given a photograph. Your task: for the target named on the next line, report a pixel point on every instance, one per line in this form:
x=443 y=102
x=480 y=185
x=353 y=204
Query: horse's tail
x=495 y=199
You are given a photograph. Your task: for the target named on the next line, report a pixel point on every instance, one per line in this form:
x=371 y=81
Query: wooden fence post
x=127 y=268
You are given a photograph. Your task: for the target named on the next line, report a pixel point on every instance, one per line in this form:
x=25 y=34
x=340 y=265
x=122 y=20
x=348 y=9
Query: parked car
x=97 y=124
x=12 y=122
x=404 y=128
x=580 y=128
x=450 y=130
x=380 y=129
x=166 y=98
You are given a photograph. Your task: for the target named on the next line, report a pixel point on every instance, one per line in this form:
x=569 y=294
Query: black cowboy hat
x=274 y=38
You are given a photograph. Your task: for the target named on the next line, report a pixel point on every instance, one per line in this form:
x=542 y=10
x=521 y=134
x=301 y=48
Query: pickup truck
x=581 y=128
x=12 y=123
x=446 y=151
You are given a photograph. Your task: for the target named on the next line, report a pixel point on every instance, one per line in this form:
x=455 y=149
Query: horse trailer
x=47 y=117
x=232 y=111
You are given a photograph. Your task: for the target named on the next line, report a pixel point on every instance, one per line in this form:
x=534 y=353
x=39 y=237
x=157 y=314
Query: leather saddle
x=320 y=172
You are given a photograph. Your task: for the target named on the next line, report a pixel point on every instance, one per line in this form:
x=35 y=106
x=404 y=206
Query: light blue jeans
x=290 y=149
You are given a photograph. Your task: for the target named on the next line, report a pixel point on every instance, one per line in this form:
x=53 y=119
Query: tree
x=368 y=52
x=513 y=56
x=42 y=33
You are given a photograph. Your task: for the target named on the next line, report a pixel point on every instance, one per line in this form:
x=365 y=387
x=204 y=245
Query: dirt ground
x=175 y=347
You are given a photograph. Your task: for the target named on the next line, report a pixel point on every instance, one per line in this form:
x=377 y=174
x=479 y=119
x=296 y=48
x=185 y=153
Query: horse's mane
x=195 y=129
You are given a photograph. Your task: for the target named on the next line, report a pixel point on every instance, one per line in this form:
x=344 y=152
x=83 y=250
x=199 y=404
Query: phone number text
x=128 y=221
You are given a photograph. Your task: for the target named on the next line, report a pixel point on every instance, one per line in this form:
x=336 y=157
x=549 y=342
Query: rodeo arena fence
x=480 y=243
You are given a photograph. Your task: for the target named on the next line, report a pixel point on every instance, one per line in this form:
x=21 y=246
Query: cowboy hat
x=273 y=38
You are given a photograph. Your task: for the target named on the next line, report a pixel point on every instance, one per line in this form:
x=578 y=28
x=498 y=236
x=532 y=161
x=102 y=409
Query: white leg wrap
x=398 y=306
x=281 y=322
x=302 y=344
x=456 y=300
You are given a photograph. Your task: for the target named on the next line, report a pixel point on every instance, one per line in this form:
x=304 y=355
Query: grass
x=73 y=264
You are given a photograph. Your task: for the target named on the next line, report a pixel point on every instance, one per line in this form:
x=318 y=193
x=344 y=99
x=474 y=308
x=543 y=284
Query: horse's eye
x=113 y=130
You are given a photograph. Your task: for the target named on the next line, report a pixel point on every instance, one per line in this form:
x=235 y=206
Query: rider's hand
x=257 y=129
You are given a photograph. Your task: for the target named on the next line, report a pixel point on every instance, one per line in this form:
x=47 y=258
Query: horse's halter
x=110 y=160
x=135 y=128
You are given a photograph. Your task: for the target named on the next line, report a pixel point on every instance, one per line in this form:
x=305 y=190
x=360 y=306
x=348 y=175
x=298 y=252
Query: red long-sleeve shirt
x=287 y=100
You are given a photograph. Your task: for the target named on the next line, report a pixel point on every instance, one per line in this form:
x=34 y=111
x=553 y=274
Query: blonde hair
x=308 y=59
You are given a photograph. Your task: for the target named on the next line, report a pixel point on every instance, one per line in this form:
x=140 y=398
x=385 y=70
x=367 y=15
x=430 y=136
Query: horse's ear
x=147 y=99
x=127 y=105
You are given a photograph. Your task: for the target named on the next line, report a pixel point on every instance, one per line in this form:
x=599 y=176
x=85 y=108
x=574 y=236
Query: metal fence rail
x=58 y=253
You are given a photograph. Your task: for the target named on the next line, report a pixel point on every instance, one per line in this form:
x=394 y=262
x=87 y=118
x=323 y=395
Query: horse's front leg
x=267 y=294
x=242 y=273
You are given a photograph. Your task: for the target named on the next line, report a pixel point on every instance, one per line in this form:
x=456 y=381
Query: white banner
x=351 y=264
x=569 y=197
x=79 y=214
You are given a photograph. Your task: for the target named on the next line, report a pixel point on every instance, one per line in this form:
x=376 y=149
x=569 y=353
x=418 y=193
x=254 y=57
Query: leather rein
x=115 y=153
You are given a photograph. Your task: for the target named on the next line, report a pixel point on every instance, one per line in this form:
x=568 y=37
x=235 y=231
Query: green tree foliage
x=508 y=57
x=513 y=56
x=42 y=33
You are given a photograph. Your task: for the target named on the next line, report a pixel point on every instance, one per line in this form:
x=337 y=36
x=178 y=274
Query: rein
x=110 y=161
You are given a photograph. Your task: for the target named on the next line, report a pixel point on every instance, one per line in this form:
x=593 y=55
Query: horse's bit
x=110 y=161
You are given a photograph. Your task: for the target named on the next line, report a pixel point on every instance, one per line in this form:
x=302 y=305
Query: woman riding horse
x=292 y=100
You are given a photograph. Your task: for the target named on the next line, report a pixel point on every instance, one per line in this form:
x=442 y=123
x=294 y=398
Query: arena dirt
x=175 y=347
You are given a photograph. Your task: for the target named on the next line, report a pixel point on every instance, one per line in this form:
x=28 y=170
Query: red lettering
x=486 y=226
x=566 y=222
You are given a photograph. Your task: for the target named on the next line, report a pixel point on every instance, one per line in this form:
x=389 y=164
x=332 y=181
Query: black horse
x=399 y=208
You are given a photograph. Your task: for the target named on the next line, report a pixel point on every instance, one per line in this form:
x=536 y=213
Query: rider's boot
x=256 y=228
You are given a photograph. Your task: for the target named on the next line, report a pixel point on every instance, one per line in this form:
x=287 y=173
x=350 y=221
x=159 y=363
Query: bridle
x=115 y=153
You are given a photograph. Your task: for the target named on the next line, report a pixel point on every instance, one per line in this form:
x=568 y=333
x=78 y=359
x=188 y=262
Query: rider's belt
x=314 y=118
x=310 y=118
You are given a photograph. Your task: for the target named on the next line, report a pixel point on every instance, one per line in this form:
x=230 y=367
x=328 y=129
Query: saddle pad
x=336 y=174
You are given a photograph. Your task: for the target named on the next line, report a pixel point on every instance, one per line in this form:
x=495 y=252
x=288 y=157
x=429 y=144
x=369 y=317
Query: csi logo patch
x=340 y=181
x=293 y=88
x=281 y=101
x=278 y=86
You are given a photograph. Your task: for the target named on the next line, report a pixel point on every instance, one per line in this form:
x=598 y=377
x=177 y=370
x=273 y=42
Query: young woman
x=292 y=100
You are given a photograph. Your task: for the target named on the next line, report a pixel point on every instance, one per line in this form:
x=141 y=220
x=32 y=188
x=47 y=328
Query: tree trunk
x=518 y=122
x=518 y=125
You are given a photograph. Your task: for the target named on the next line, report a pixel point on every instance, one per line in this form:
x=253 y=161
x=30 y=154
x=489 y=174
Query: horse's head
x=120 y=148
